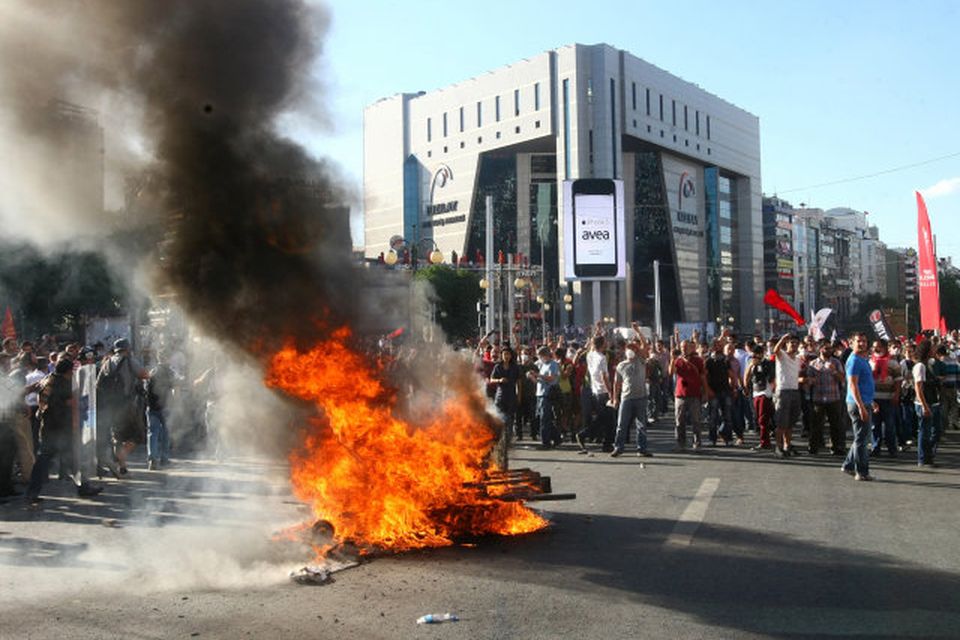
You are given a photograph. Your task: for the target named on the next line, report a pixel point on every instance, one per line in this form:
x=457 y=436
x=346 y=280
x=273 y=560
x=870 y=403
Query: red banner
x=927 y=282
x=773 y=299
x=8 y=330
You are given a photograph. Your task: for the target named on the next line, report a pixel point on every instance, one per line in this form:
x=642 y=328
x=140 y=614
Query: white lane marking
x=693 y=515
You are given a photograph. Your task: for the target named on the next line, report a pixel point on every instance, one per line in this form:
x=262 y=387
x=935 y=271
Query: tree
x=457 y=293
x=55 y=292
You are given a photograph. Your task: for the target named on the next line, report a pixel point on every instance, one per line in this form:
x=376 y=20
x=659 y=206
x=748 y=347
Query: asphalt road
x=724 y=543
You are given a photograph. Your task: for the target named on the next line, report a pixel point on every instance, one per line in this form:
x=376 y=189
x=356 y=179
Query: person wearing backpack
x=119 y=411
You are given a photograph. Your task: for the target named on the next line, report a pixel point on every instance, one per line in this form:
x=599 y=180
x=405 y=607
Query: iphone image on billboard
x=594 y=219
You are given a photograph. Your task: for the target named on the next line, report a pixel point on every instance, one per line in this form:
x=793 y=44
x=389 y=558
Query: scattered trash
x=311 y=575
x=437 y=618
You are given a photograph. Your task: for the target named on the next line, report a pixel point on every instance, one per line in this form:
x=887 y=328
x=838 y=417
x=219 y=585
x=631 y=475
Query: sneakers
x=579 y=441
x=616 y=453
x=849 y=472
x=738 y=442
x=152 y=465
x=863 y=477
x=644 y=454
x=780 y=453
x=762 y=447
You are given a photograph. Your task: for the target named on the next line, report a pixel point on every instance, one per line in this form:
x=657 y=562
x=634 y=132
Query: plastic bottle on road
x=436 y=618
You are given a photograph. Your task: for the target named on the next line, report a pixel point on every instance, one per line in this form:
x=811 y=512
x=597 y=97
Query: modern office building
x=690 y=163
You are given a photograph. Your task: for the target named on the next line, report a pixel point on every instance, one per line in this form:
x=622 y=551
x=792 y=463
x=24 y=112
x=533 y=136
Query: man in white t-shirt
x=787 y=397
x=599 y=374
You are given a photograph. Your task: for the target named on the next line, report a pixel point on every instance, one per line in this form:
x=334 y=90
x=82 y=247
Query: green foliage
x=457 y=294
x=950 y=300
x=53 y=292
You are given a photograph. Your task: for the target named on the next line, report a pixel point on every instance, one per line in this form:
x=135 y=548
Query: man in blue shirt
x=547 y=376
x=860 y=392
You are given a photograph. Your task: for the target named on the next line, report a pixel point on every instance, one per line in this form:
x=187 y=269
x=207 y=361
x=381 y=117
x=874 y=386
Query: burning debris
x=383 y=483
x=257 y=250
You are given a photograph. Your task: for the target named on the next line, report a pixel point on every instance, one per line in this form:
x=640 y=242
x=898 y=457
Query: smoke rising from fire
x=256 y=240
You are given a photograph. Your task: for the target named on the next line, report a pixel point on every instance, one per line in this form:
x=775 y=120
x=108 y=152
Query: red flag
x=9 y=330
x=773 y=299
x=396 y=333
x=943 y=326
x=927 y=282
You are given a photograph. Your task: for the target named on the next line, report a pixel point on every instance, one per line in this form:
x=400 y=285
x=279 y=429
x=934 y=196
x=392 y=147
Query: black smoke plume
x=255 y=236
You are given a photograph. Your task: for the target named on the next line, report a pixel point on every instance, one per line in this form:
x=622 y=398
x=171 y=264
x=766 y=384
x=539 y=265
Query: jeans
x=763 y=410
x=832 y=411
x=52 y=445
x=885 y=426
x=687 y=409
x=602 y=423
x=908 y=422
x=721 y=414
x=858 y=458
x=158 y=436
x=549 y=435
x=928 y=433
x=948 y=408
x=633 y=410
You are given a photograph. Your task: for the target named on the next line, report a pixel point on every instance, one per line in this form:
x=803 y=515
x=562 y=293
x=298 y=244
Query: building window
x=661 y=107
x=673 y=112
x=479 y=139
x=498 y=135
x=479 y=114
x=444 y=125
x=648 y=101
x=496 y=108
x=429 y=129
x=516 y=102
x=697 y=118
x=536 y=96
x=516 y=129
x=708 y=127
x=461 y=120
x=633 y=94
x=634 y=124
x=686 y=119
x=462 y=144
x=536 y=125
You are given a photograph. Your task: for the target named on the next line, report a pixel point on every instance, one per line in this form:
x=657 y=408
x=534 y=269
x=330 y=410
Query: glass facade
x=497 y=176
x=651 y=241
x=728 y=303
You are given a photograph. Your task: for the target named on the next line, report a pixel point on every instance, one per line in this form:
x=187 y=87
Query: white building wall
x=397 y=128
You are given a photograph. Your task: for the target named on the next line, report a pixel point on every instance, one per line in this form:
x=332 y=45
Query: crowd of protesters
x=891 y=395
x=42 y=402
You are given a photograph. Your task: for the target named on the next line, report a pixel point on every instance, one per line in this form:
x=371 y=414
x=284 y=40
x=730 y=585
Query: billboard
x=594 y=230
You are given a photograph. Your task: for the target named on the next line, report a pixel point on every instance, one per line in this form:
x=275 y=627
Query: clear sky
x=843 y=89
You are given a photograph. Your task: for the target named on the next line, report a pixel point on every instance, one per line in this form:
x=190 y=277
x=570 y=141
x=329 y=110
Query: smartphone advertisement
x=594 y=230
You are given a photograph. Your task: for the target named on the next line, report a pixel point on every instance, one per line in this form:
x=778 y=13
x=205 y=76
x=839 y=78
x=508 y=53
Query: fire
x=382 y=482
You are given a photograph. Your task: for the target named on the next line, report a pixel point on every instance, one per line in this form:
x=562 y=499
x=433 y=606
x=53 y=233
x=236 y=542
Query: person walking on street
x=598 y=371
x=886 y=379
x=118 y=413
x=691 y=375
x=927 y=405
x=160 y=390
x=760 y=378
x=860 y=395
x=787 y=395
x=630 y=396
x=825 y=376
x=547 y=377
x=56 y=430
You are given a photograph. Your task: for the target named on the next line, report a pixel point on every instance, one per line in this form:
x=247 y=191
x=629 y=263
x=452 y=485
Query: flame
x=382 y=482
